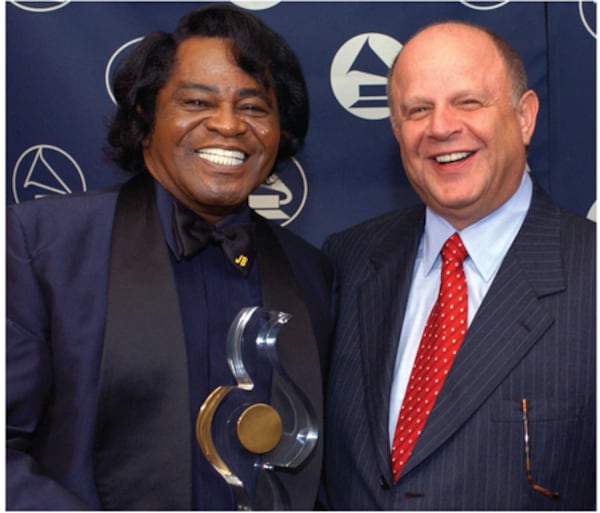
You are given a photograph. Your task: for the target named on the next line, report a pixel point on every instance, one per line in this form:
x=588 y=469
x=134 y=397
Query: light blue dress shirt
x=487 y=242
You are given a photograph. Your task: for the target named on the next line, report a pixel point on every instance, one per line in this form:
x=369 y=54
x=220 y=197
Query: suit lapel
x=509 y=322
x=143 y=431
x=380 y=302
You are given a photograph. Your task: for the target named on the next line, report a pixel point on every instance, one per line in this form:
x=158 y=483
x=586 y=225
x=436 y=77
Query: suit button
x=383 y=483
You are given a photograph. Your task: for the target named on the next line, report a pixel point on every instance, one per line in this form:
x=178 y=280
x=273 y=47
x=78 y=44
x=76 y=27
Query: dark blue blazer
x=61 y=453
x=533 y=337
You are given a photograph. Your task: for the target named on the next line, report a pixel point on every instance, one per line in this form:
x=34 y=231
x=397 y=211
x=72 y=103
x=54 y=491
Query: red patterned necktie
x=442 y=336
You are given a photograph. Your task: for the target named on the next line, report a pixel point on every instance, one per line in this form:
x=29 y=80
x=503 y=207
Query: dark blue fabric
x=58 y=253
x=534 y=336
x=211 y=293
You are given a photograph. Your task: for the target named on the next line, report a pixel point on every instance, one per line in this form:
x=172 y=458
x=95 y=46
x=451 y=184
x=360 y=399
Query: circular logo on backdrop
x=283 y=196
x=359 y=74
x=255 y=5
x=587 y=12
x=37 y=6
x=114 y=58
x=45 y=170
x=484 y=6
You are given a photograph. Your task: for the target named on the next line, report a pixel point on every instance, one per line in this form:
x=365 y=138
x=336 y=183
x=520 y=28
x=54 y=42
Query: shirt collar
x=488 y=240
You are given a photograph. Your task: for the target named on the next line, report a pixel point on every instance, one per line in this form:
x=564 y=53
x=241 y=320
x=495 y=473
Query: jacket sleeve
x=28 y=380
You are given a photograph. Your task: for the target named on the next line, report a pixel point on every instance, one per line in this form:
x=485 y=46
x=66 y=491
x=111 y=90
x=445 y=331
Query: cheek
x=267 y=131
x=409 y=137
x=173 y=128
x=269 y=135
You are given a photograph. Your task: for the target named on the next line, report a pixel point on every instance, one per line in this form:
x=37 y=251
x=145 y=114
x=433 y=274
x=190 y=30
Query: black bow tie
x=193 y=234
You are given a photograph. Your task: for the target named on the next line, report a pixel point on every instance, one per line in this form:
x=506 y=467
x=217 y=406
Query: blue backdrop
x=60 y=57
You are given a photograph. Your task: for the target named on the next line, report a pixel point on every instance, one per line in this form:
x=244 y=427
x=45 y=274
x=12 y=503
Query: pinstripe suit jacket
x=533 y=336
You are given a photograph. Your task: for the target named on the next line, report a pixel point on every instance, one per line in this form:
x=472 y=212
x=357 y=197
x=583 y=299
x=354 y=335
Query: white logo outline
x=584 y=19
x=59 y=5
x=256 y=5
x=109 y=64
x=39 y=157
x=468 y=4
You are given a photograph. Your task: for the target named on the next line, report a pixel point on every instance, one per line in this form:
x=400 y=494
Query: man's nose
x=226 y=121
x=444 y=122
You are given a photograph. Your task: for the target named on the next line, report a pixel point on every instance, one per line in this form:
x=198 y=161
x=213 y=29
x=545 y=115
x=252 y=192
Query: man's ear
x=527 y=110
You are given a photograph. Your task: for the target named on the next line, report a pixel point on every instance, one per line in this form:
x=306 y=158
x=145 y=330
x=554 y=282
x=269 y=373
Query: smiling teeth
x=222 y=157
x=452 y=157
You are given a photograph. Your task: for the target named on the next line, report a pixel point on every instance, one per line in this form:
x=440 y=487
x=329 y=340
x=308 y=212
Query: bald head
x=513 y=63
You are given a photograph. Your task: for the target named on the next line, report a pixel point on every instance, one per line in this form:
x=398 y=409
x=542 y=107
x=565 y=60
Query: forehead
x=448 y=55
x=203 y=54
x=209 y=59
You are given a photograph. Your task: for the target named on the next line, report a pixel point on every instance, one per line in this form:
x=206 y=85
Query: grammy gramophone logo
x=282 y=197
x=46 y=170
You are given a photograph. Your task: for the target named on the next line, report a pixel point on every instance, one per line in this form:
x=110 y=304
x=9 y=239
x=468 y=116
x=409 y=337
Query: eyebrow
x=415 y=100
x=420 y=100
x=246 y=92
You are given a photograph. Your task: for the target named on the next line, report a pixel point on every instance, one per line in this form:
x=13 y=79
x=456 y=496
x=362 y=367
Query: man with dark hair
x=122 y=379
x=463 y=373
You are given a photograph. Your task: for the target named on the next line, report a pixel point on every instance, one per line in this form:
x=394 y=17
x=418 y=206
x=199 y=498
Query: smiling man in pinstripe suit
x=513 y=425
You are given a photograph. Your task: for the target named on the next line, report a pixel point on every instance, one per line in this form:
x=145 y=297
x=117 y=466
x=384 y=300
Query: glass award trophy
x=245 y=439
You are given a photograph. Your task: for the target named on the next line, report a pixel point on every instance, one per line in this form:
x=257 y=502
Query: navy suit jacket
x=58 y=252
x=533 y=337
